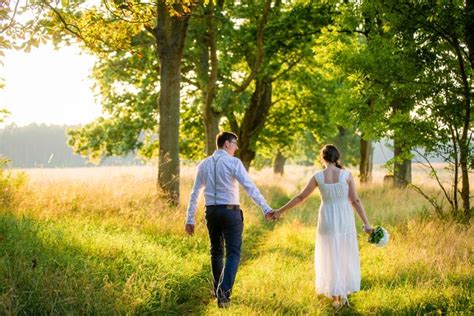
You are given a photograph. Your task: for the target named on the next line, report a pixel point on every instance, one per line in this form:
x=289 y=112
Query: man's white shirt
x=221 y=174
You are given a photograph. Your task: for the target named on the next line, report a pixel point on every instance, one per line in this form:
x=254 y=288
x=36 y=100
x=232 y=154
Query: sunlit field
x=102 y=241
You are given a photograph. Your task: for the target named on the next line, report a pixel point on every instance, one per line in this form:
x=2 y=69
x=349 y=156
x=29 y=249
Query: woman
x=336 y=254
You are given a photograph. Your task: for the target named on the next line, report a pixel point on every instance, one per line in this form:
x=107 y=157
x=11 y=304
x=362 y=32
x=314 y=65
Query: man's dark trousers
x=225 y=225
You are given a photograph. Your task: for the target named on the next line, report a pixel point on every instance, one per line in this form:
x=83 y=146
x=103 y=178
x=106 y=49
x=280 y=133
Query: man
x=220 y=175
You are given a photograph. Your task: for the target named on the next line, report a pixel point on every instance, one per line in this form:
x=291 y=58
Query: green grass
x=112 y=246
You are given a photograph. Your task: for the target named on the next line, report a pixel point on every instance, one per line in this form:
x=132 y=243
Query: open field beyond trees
x=102 y=241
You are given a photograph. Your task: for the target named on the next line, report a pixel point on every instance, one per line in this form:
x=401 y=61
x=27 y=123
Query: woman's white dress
x=336 y=254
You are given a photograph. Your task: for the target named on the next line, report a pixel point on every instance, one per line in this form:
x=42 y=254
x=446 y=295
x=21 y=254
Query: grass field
x=102 y=241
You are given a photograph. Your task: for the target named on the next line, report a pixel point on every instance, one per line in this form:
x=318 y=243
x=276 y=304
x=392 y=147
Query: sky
x=48 y=86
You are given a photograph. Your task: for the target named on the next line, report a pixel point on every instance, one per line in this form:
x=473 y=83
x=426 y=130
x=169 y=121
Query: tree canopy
x=171 y=74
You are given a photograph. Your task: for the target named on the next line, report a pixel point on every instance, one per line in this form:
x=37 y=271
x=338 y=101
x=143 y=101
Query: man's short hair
x=223 y=136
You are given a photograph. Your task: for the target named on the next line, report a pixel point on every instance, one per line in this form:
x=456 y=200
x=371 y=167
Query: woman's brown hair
x=330 y=153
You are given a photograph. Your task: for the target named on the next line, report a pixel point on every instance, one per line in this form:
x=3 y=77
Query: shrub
x=9 y=185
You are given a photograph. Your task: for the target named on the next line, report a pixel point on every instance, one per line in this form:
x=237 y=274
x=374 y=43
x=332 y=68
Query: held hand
x=277 y=215
x=368 y=229
x=270 y=216
x=189 y=229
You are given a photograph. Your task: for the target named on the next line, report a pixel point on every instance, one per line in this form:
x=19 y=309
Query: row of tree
x=281 y=74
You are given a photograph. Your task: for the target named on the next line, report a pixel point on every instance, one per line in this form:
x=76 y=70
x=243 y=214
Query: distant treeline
x=45 y=146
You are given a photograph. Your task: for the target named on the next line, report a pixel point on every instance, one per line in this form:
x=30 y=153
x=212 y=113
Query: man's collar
x=219 y=152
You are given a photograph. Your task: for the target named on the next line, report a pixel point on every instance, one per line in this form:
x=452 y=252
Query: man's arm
x=190 y=213
x=244 y=179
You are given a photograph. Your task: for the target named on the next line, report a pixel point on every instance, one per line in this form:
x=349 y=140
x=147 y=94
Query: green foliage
x=370 y=69
x=404 y=73
x=3 y=114
x=193 y=134
x=105 y=137
x=126 y=82
x=431 y=36
x=313 y=99
x=125 y=76
x=288 y=39
x=15 y=31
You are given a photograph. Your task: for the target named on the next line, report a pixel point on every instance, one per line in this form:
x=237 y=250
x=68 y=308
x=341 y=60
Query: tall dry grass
x=102 y=241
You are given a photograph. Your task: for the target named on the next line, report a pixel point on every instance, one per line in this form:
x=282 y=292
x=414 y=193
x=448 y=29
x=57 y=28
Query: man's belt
x=228 y=206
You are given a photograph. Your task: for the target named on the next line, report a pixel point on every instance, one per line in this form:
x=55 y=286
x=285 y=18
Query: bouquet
x=379 y=237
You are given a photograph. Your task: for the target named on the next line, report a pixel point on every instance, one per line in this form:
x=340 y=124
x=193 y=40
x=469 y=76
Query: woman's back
x=331 y=175
x=333 y=185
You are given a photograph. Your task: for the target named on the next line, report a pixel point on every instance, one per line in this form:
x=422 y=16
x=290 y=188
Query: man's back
x=220 y=175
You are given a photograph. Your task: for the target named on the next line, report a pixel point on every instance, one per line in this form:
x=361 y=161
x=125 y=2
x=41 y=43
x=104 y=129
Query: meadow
x=102 y=241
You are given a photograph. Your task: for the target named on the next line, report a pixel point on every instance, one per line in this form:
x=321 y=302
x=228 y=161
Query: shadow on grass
x=39 y=279
x=42 y=274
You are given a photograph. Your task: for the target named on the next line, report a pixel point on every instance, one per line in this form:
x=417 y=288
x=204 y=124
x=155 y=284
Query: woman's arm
x=312 y=184
x=357 y=204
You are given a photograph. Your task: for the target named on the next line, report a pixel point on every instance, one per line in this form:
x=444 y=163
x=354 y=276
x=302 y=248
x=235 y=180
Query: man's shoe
x=223 y=298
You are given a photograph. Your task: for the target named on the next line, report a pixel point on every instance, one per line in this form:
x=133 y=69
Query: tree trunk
x=211 y=124
x=366 y=161
x=210 y=116
x=170 y=35
x=469 y=27
x=340 y=141
x=279 y=163
x=401 y=167
x=464 y=140
x=261 y=101
x=455 y=141
x=168 y=166
x=254 y=120
x=401 y=148
x=465 y=183
x=464 y=148
x=206 y=75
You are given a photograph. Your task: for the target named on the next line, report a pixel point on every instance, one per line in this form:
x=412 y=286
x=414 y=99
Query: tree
x=367 y=53
x=417 y=72
x=120 y=27
x=283 y=126
x=267 y=50
x=203 y=64
x=308 y=102
x=170 y=33
x=440 y=33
